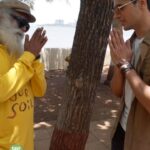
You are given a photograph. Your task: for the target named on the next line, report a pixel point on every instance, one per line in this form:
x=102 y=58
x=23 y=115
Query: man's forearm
x=117 y=82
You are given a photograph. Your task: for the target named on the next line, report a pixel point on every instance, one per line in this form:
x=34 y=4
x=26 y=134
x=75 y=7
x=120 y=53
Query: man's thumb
x=26 y=38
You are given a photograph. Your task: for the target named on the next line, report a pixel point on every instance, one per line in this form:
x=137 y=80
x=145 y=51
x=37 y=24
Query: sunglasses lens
x=22 y=23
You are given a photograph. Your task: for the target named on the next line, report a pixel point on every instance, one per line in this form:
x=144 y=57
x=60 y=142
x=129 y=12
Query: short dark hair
x=148 y=4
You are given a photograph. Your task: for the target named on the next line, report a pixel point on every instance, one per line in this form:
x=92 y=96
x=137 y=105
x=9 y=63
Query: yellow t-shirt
x=19 y=83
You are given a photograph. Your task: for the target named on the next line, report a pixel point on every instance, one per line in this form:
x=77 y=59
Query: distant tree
x=83 y=75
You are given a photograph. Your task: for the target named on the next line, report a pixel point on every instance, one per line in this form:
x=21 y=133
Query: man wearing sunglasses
x=131 y=79
x=21 y=75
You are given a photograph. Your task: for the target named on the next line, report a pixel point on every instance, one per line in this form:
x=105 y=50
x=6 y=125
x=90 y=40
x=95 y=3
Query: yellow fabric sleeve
x=38 y=82
x=17 y=76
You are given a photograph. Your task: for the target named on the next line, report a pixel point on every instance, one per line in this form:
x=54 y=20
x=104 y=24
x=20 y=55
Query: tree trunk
x=83 y=75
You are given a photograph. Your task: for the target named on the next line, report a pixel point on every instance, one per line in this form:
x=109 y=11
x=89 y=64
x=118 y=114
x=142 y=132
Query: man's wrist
x=37 y=57
x=126 y=67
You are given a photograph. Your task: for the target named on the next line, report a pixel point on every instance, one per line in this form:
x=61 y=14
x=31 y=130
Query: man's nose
x=23 y=29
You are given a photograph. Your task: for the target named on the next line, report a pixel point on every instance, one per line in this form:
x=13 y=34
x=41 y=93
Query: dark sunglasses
x=22 y=23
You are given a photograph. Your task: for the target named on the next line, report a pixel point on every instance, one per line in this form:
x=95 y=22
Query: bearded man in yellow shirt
x=21 y=75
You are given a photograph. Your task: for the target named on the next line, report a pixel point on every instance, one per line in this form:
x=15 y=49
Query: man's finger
x=128 y=44
x=44 y=41
x=43 y=33
x=117 y=36
x=26 y=38
x=37 y=33
x=110 y=44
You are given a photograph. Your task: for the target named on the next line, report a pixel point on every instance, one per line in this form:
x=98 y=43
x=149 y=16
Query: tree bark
x=83 y=75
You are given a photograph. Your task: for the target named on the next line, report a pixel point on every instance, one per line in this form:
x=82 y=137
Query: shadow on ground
x=47 y=107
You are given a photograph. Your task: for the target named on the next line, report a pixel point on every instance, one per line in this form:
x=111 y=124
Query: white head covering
x=18 y=7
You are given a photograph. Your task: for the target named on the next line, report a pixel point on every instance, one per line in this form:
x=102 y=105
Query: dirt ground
x=47 y=107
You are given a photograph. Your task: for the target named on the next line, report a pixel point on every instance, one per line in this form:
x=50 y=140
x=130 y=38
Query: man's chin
x=127 y=28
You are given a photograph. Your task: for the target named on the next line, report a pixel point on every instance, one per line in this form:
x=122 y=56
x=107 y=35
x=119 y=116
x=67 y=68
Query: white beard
x=11 y=36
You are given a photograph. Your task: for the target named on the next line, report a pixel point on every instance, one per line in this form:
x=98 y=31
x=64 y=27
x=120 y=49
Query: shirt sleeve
x=17 y=76
x=38 y=82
